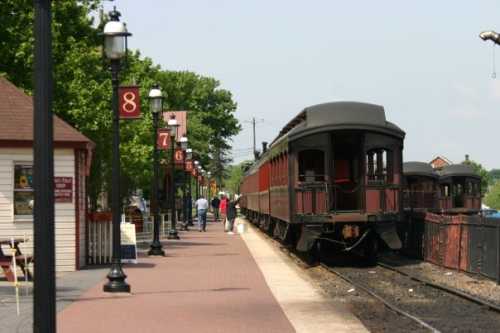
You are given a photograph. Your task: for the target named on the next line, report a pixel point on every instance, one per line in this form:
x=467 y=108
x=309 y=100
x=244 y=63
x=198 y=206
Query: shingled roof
x=16 y=121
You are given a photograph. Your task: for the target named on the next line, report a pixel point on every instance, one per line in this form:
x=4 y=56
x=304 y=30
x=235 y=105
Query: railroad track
x=456 y=292
x=435 y=307
x=380 y=298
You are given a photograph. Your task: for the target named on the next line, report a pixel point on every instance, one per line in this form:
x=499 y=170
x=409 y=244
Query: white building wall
x=65 y=223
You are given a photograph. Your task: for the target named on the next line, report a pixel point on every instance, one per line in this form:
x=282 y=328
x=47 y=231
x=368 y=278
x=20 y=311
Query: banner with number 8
x=129 y=102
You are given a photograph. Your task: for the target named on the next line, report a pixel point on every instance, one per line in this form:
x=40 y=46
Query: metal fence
x=461 y=242
x=100 y=237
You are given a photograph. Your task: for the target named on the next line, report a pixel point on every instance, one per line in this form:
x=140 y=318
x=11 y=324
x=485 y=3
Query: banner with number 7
x=163 y=139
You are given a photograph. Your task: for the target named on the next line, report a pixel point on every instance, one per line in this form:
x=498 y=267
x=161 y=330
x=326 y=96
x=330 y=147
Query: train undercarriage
x=311 y=238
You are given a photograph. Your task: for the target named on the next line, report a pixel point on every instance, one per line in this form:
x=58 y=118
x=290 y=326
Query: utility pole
x=254 y=122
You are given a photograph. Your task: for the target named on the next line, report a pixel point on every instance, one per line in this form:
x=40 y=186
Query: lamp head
x=490 y=35
x=156 y=98
x=115 y=36
x=184 y=142
x=173 y=125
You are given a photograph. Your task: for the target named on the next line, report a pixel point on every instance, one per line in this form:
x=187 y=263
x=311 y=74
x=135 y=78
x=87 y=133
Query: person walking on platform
x=231 y=215
x=202 y=208
x=223 y=208
x=215 y=205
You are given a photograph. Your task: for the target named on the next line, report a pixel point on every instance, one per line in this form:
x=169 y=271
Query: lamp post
x=209 y=190
x=196 y=165
x=189 y=156
x=173 y=125
x=184 y=146
x=44 y=302
x=115 y=35
x=156 y=103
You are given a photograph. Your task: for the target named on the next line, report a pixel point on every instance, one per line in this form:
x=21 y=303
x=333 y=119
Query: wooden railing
x=420 y=199
x=312 y=198
x=99 y=238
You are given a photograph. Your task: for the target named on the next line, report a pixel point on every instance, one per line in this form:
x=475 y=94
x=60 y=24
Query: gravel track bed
x=475 y=285
x=446 y=312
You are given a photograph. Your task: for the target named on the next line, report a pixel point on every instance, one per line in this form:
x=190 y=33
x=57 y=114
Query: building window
x=23 y=190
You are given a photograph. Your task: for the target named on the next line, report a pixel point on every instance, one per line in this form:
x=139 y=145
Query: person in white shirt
x=202 y=208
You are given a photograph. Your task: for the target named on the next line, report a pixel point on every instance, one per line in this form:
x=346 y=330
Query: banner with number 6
x=129 y=102
x=163 y=139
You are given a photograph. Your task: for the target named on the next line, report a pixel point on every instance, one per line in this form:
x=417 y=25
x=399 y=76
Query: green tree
x=482 y=172
x=492 y=198
x=495 y=175
x=235 y=174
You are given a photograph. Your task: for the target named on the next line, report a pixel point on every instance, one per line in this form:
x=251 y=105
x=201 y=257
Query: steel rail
x=449 y=290
x=391 y=306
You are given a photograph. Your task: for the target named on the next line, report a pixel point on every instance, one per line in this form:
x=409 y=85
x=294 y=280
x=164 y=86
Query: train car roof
x=458 y=170
x=339 y=115
x=419 y=169
x=331 y=116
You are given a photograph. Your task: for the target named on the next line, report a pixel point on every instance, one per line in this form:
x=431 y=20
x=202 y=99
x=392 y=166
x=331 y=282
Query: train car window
x=445 y=190
x=379 y=165
x=311 y=165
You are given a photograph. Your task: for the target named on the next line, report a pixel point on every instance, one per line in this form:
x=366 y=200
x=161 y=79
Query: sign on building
x=63 y=189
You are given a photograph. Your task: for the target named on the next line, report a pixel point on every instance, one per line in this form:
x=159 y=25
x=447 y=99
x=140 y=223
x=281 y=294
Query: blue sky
x=422 y=60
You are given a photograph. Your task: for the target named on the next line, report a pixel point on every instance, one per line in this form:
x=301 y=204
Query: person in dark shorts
x=215 y=205
x=231 y=215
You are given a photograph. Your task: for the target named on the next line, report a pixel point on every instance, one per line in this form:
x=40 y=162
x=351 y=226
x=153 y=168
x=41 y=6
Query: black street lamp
x=209 y=189
x=173 y=125
x=44 y=298
x=184 y=146
x=115 y=41
x=189 y=198
x=196 y=166
x=156 y=103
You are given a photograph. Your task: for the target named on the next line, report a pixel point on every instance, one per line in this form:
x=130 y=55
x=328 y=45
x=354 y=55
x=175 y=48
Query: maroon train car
x=455 y=189
x=332 y=175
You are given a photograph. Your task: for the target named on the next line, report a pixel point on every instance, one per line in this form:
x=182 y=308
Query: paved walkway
x=210 y=282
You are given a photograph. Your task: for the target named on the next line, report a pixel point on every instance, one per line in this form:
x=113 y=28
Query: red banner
x=189 y=165
x=163 y=139
x=129 y=102
x=179 y=156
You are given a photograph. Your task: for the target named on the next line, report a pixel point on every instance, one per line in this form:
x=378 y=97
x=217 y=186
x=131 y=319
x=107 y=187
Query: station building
x=72 y=159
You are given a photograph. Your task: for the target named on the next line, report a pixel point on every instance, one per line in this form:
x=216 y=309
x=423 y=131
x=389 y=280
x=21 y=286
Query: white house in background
x=72 y=157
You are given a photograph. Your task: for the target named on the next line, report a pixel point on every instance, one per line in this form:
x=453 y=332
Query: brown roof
x=16 y=120
x=181 y=117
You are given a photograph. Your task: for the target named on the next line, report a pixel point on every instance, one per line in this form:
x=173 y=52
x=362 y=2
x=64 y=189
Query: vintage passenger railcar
x=460 y=190
x=333 y=175
x=421 y=184
x=456 y=189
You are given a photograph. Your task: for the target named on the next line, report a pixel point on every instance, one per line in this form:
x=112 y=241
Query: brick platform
x=208 y=282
